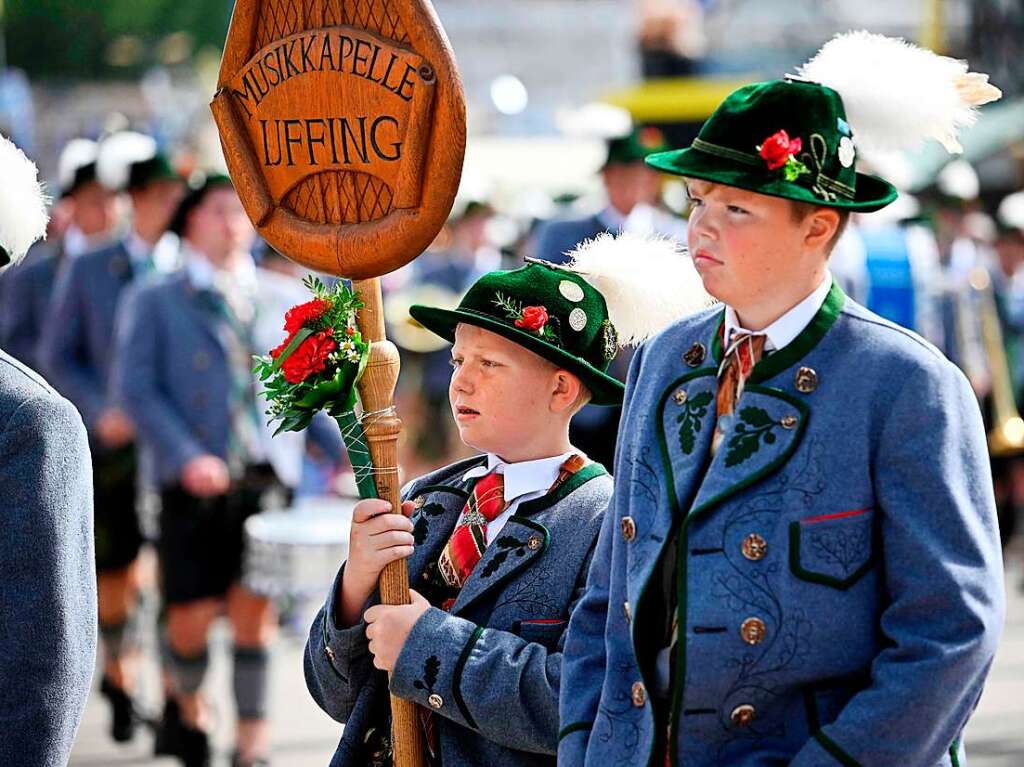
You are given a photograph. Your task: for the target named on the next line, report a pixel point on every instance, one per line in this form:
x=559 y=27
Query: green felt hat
x=785 y=138
x=575 y=333
x=157 y=168
x=193 y=198
x=640 y=144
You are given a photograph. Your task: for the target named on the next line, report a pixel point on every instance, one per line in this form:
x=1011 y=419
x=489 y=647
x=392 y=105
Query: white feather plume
x=76 y=154
x=116 y=155
x=647 y=282
x=897 y=94
x=22 y=202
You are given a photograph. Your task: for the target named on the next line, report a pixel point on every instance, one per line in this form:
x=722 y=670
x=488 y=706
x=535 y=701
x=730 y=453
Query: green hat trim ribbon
x=784 y=138
x=551 y=312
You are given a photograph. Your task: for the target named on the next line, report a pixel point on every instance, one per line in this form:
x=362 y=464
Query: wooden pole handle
x=382 y=428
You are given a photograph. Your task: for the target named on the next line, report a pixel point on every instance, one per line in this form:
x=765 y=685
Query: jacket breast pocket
x=833 y=549
x=542 y=632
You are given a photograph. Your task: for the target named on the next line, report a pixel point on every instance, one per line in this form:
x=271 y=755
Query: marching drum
x=296 y=553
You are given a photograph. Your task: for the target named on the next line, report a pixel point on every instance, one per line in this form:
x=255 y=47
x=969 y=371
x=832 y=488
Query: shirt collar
x=139 y=251
x=522 y=477
x=612 y=219
x=786 y=328
x=205 y=276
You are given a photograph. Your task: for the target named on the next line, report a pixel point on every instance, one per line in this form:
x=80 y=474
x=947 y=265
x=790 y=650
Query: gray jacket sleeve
x=135 y=381
x=47 y=582
x=337 y=661
x=60 y=348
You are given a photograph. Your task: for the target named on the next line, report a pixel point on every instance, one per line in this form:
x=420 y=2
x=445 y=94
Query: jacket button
x=789 y=421
x=329 y=653
x=639 y=694
x=680 y=396
x=627 y=611
x=534 y=542
x=435 y=701
x=742 y=716
x=419 y=502
x=755 y=547
x=753 y=631
x=628 y=528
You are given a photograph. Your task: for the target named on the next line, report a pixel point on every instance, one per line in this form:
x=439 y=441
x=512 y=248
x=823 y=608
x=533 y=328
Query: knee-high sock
x=251 y=682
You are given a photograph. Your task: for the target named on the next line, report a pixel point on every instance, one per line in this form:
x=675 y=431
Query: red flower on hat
x=301 y=315
x=778 y=148
x=534 y=318
x=310 y=358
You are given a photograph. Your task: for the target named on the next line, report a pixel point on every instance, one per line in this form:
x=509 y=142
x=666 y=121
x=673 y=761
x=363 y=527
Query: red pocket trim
x=840 y=515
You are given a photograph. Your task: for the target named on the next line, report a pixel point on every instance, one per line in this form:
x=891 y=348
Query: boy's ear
x=567 y=391
x=823 y=223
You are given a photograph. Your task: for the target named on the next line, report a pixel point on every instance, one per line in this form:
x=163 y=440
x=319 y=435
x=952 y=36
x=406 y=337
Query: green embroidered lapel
x=520 y=543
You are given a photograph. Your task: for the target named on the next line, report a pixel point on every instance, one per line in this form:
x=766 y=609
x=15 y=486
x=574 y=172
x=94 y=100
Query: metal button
x=680 y=396
x=329 y=653
x=789 y=421
x=627 y=611
x=743 y=715
x=806 y=380
x=755 y=548
x=639 y=694
x=534 y=542
x=435 y=701
x=695 y=355
x=753 y=631
x=628 y=528
x=419 y=502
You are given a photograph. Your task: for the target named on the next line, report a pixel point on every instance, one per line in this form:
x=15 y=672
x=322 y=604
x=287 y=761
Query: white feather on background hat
x=22 y=202
x=116 y=155
x=596 y=120
x=76 y=154
x=897 y=94
x=1011 y=211
x=647 y=282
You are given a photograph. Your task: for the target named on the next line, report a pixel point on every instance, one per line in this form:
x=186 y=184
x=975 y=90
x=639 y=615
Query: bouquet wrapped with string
x=317 y=367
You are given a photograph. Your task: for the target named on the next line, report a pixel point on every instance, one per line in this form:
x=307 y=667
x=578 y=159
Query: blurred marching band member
x=26 y=291
x=76 y=351
x=183 y=375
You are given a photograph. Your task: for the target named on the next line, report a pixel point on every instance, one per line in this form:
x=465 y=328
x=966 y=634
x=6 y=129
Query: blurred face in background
x=219 y=228
x=96 y=209
x=153 y=206
x=624 y=185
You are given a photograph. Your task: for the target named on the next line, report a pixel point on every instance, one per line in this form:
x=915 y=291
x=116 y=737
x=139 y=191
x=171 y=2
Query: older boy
x=800 y=564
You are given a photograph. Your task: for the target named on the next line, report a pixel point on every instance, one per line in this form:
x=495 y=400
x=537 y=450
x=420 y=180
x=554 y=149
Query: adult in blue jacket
x=47 y=576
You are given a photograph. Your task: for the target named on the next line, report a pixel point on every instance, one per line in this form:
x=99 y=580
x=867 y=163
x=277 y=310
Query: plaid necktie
x=743 y=353
x=466 y=546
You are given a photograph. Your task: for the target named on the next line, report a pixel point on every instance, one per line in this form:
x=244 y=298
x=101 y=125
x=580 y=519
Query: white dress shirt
x=786 y=328
x=524 y=481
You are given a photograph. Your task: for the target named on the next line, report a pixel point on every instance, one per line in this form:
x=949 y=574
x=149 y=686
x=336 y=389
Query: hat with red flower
x=616 y=291
x=799 y=137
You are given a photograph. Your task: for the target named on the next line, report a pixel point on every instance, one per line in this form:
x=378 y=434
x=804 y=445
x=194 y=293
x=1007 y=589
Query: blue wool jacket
x=491 y=668
x=837 y=565
x=47 y=571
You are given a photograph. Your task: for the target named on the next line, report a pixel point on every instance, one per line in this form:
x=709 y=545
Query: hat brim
x=872 y=193
x=605 y=390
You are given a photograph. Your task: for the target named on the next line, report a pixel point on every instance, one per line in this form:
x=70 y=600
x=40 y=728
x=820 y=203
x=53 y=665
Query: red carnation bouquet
x=317 y=365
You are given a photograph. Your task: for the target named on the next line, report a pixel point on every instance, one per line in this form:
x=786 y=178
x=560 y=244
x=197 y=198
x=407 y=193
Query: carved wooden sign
x=343 y=124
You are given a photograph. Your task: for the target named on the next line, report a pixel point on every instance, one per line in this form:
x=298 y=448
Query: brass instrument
x=406 y=332
x=1006 y=437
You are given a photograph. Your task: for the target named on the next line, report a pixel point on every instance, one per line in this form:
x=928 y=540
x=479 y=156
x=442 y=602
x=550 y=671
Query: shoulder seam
x=910 y=336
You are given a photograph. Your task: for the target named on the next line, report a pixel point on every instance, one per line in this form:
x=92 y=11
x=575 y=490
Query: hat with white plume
x=615 y=292
x=128 y=160
x=77 y=165
x=799 y=138
x=23 y=214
